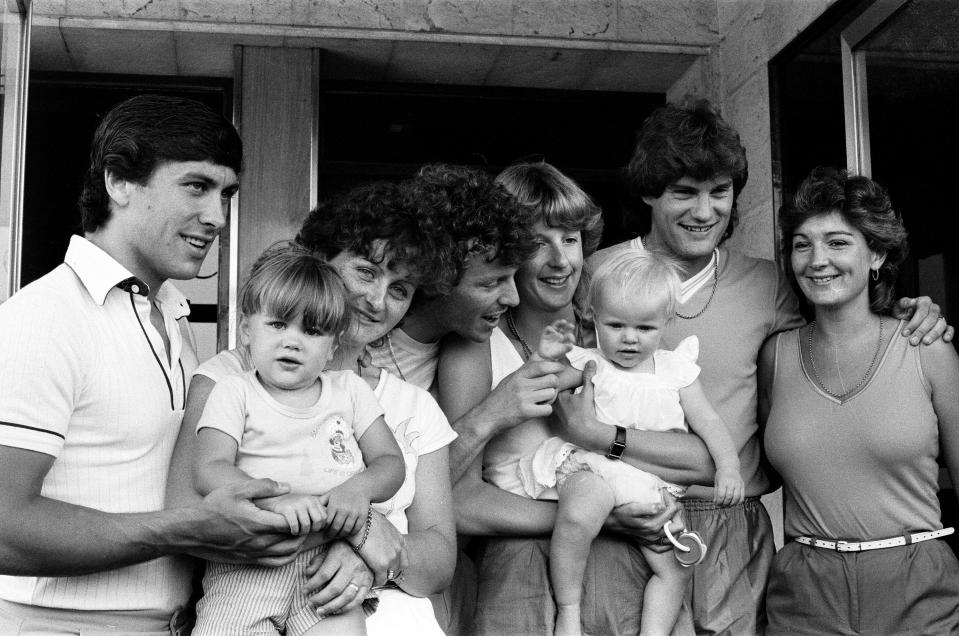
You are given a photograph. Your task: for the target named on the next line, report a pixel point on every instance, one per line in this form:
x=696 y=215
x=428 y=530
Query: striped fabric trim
x=32 y=428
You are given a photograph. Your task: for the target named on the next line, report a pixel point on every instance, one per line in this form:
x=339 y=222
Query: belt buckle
x=847 y=546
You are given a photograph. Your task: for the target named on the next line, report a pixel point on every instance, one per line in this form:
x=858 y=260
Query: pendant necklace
x=527 y=352
x=822 y=385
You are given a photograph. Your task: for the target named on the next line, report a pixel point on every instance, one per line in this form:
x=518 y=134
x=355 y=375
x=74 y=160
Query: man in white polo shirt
x=96 y=357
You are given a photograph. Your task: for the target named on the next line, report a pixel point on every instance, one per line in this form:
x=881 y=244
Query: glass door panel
x=14 y=56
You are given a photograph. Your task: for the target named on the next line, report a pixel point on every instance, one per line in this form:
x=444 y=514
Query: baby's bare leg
x=556 y=340
x=664 y=593
x=351 y=623
x=585 y=501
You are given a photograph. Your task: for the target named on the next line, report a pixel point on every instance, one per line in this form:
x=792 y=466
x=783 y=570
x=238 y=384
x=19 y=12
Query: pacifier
x=688 y=548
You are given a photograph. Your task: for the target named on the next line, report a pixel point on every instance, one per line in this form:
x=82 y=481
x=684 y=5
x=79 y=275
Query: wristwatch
x=619 y=444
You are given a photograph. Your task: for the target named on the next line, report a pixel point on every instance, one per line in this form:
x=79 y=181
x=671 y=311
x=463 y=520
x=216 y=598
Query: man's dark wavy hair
x=142 y=132
x=687 y=140
x=480 y=217
x=863 y=204
x=356 y=220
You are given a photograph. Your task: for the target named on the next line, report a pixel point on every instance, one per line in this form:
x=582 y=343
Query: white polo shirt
x=85 y=378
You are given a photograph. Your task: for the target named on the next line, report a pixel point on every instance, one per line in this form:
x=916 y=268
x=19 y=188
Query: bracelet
x=366 y=531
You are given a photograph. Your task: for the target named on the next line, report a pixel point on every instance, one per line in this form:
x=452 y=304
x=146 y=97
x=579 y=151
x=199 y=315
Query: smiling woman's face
x=379 y=293
x=548 y=279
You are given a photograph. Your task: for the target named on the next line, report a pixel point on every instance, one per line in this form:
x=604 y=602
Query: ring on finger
x=390 y=575
x=356 y=588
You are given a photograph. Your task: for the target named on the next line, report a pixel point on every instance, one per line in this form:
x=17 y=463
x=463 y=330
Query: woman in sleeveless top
x=856 y=421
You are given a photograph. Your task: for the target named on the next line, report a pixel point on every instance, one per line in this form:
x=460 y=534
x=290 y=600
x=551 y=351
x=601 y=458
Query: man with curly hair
x=490 y=235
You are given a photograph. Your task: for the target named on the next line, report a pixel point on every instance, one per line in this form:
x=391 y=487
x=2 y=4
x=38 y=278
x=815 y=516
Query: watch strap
x=619 y=444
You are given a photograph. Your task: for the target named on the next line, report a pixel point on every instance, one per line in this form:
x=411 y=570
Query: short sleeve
x=366 y=408
x=435 y=431
x=41 y=373
x=226 y=408
x=225 y=363
x=679 y=365
x=578 y=357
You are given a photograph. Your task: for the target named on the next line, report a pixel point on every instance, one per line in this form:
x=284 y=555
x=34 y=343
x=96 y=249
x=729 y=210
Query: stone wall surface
x=682 y=22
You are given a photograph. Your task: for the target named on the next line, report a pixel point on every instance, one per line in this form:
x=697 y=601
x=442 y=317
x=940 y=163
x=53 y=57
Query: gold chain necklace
x=712 y=292
x=822 y=385
x=389 y=343
x=527 y=351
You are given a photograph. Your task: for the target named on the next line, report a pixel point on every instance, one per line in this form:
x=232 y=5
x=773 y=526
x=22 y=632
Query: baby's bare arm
x=555 y=342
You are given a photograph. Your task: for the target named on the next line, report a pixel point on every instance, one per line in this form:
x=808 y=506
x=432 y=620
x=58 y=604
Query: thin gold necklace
x=389 y=343
x=822 y=385
x=527 y=351
x=712 y=292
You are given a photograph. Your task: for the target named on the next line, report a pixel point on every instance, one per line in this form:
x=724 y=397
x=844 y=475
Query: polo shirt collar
x=99 y=272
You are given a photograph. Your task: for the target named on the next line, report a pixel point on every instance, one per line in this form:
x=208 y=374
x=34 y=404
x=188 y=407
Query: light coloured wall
x=653 y=21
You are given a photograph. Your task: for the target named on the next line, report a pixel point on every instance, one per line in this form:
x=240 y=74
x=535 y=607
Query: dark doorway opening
x=64 y=111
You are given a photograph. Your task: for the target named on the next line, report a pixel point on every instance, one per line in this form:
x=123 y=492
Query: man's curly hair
x=480 y=217
x=382 y=211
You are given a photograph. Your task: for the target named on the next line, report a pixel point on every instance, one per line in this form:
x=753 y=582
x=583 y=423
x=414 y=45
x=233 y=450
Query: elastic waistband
x=861 y=546
x=705 y=505
x=127 y=621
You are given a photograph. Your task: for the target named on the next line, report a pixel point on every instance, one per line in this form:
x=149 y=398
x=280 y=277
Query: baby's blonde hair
x=648 y=277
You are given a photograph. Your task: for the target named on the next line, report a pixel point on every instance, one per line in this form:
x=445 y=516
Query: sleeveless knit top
x=861 y=468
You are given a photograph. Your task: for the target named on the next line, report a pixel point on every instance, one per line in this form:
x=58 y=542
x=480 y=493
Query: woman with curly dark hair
x=855 y=421
x=385 y=248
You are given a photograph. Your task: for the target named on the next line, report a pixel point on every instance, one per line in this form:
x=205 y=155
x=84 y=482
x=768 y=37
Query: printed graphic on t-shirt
x=338 y=436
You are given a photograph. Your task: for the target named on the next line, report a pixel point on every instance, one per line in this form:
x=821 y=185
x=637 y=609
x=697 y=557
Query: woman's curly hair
x=479 y=218
x=863 y=204
x=356 y=220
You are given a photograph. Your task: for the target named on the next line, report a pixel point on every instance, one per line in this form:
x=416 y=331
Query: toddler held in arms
x=637 y=385
x=322 y=432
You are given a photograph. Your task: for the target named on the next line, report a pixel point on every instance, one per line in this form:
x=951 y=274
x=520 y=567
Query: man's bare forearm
x=52 y=538
x=474 y=431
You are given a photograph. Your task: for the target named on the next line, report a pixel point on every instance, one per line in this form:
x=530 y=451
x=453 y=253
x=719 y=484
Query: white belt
x=860 y=546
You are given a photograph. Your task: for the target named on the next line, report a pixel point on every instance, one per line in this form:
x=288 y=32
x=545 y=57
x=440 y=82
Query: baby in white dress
x=637 y=385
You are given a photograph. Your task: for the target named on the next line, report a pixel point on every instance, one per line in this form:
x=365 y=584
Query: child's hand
x=304 y=513
x=346 y=509
x=556 y=340
x=729 y=488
